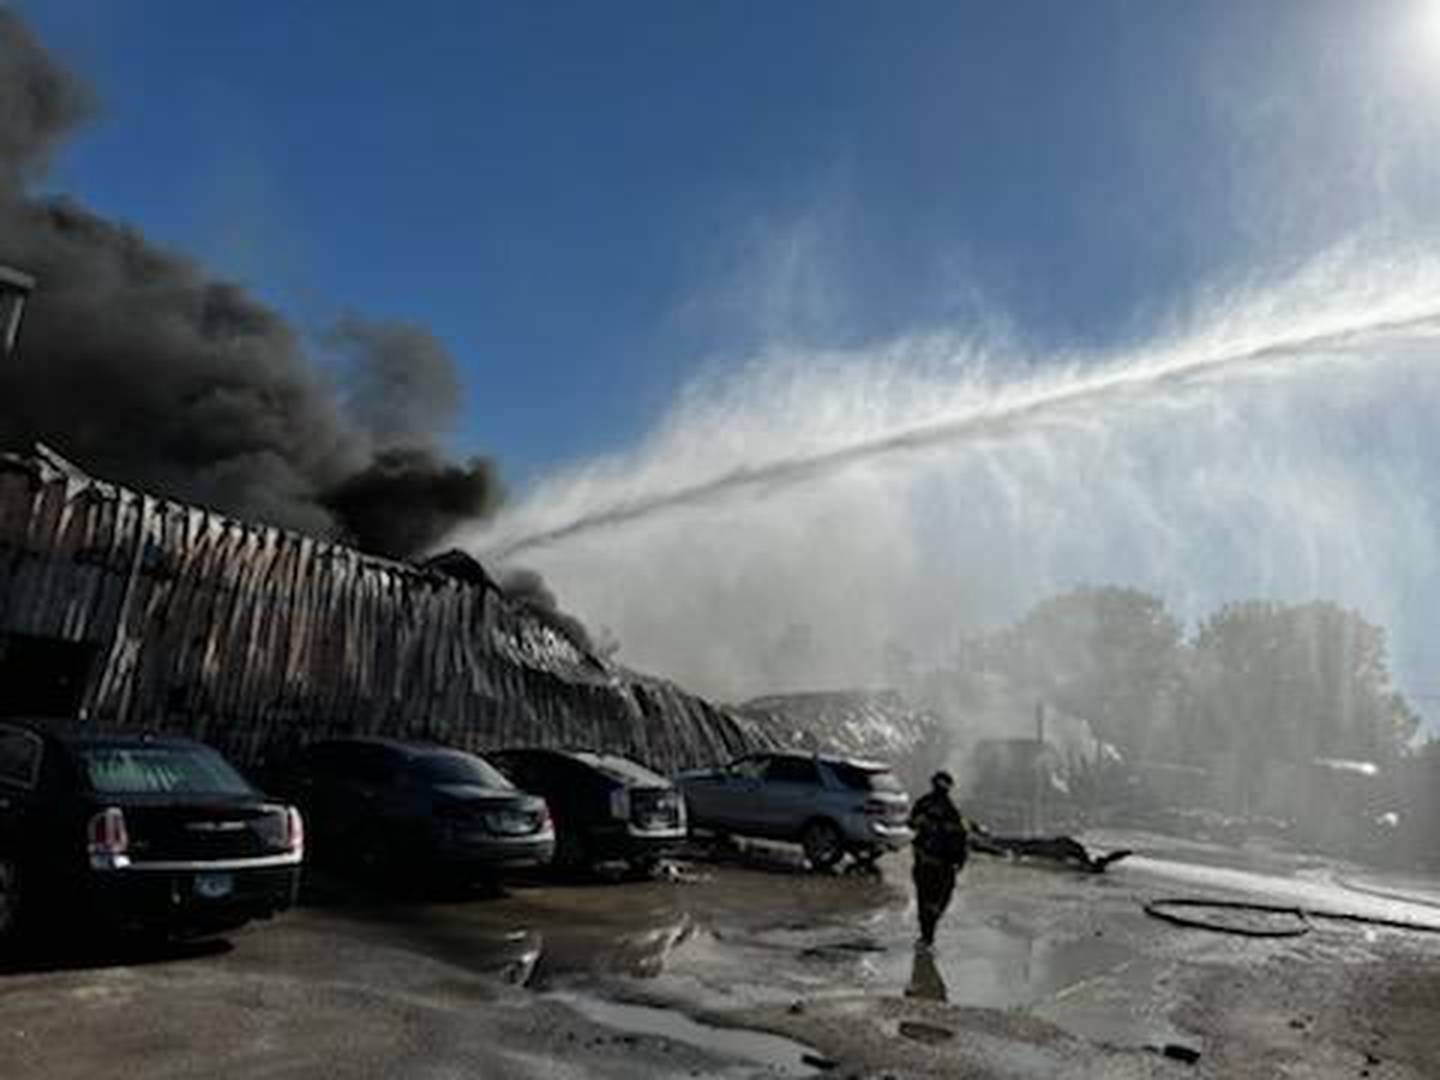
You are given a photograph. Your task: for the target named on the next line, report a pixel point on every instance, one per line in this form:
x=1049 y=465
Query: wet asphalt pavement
x=616 y=978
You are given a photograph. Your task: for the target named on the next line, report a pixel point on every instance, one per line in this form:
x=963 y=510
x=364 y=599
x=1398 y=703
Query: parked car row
x=160 y=834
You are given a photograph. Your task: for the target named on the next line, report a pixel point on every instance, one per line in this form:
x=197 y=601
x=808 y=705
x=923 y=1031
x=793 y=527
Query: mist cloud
x=1306 y=475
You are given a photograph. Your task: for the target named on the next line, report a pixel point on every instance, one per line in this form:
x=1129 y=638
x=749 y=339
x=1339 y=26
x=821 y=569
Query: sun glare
x=1422 y=36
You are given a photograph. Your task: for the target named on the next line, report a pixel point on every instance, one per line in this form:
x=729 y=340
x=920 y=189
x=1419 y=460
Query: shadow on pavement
x=926 y=981
x=334 y=889
x=48 y=954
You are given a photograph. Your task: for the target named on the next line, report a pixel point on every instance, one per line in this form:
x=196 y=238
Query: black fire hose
x=1170 y=910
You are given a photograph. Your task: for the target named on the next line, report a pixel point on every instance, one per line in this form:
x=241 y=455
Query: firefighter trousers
x=934 y=886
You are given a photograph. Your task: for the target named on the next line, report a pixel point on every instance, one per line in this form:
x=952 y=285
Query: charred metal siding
x=876 y=724
x=256 y=639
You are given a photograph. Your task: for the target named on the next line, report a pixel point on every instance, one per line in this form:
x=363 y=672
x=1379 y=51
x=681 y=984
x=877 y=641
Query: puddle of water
x=1314 y=893
x=779 y=1056
x=1092 y=987
x=532 y=943
x=1128 y=1006
x=1409 y=890
x=985 y=966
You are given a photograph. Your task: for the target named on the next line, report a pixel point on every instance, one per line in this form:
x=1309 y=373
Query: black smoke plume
x=407 y=498
x=399 y=382
x=528 y=588
x=140 y=367
x=39 y=105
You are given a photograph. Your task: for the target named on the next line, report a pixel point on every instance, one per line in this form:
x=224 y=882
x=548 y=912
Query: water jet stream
x=987 y=422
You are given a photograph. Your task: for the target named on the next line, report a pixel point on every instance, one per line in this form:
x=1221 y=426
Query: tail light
x=876 y=808
x=294 y=831
x=542 y=816
x=457 y=811
x=109 y=840
x=620 y=804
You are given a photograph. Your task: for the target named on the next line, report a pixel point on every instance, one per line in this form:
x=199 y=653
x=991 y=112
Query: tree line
x=1255 y=684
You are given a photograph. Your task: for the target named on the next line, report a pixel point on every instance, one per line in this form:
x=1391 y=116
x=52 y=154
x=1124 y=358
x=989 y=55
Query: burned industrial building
x=134 y=610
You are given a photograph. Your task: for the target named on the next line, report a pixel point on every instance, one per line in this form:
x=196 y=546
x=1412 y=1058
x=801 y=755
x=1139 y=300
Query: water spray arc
x=989 y=422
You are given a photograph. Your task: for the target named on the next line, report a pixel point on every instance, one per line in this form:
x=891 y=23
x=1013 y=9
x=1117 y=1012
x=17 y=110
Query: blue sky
x=588 y=201
x=595 y=204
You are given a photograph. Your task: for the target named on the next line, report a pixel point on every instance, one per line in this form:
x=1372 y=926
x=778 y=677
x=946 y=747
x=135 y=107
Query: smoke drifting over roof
x=142 y=368
x=406 y=499
x=528 y=588
x=400 y=383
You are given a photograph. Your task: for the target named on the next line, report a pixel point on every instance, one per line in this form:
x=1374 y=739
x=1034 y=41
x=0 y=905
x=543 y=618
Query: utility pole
x=1037 y=801
x=15 y=289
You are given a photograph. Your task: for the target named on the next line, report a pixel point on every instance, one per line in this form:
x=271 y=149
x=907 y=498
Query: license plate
x=214 y=886
x=512 y=823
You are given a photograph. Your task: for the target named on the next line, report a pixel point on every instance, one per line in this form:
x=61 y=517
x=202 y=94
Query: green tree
x=1108 y=654
x=1273 y=684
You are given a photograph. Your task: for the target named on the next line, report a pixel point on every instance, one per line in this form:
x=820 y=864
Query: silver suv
x=830 y=805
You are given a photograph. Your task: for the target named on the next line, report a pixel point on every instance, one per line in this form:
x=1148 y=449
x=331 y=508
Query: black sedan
x=132 y=831
x=607 y=808
x=398 y=807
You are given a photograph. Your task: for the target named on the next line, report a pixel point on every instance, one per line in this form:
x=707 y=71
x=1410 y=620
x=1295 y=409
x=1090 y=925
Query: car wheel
x=10 y=899
x=643 y=867
x=824 y=846
x=866 y=863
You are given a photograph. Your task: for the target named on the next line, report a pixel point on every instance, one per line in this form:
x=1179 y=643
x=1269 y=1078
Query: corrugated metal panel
x=256 y=639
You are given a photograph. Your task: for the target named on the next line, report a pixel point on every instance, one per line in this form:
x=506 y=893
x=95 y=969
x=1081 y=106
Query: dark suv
x=136 y=832
x=396 y=806
x=607 y=808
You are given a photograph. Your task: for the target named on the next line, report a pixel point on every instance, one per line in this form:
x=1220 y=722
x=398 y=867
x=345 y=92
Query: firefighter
x=940 y=849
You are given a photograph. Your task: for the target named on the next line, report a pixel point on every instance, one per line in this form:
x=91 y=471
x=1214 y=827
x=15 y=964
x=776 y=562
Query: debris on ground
x=1177 y=1052
x=926 y=1033
x=1061 y=849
